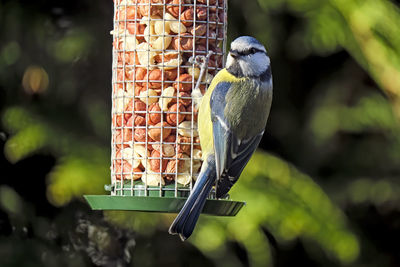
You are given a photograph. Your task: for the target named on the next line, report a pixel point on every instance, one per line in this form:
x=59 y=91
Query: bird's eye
x=253 y=50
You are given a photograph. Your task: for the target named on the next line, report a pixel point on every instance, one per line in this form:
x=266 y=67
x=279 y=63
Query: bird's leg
x=202 y=62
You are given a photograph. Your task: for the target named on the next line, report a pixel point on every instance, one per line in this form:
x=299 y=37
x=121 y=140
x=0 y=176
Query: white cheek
x=229 y=61
x=255 y=64
x=261 y=61
x=248 y=69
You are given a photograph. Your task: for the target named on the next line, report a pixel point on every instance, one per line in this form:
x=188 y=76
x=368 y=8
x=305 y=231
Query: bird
x=232 y=117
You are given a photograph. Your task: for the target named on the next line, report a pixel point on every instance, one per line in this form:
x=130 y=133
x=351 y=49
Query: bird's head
x=248 y=58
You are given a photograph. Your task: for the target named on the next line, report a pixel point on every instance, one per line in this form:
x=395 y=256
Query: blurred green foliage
x=334 y=131
x=368 y=30
x=289 y=204
x=81 y=165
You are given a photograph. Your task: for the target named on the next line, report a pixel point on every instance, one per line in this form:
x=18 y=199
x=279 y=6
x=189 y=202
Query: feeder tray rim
x=216 y=207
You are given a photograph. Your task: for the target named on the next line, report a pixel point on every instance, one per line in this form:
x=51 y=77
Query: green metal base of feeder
x=160 y=204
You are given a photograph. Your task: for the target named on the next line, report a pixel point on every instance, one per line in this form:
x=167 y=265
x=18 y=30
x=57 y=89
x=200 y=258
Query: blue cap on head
x=247 y=39
x=243 y=43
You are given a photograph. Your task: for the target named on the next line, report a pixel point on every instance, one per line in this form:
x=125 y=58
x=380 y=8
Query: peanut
x=135 y=105
x=194 y=71
x=201 y=13
x=177 y=27
x=127 y=13
x=166 y=98
x=155 y=79
x=185 y=129
x=146 y=7
x=205 y=2
x=162 y=27
x=174 y=7
x=130 y=42
x=121 y=167
x=157 y=164
x=149 y=96
x=212 y=19
x=136 y=29
x=183 y=144
x=188 y=117
x=184 y=179
x=142 y=154
x=136 y=120
x=184 y=99
x=171 y=64
x=137 y=173
x=184 y=42
x=121 y=101
x=174 y=25
x=129 y=155
x=197 y=143
x=187 y=17
x=183 y=83
x=171 y=138
x=117 y=120
x=127 y=135
x=145 y=54
x=199 y=30
x=140 y=135
x=171 y=74
x=140 y=75
x=174 y=116
x=169 y=61
x=154 y=113
x=152 y=179
x=138 y=90
x=167 y=149
x=159 y=129
x=149 y=34
x=126 y=2
x=161 y=43
x=130 y=89
x=121 y=138
x=140 y=106
x=183 y=164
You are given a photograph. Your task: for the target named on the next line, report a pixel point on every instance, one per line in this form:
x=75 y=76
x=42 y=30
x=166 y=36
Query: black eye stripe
x=248 y=51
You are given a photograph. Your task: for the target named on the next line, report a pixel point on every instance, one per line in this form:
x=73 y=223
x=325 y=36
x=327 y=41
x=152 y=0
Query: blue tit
x=232 y=117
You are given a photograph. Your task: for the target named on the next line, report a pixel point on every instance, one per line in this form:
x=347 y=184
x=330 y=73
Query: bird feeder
x=163 y=51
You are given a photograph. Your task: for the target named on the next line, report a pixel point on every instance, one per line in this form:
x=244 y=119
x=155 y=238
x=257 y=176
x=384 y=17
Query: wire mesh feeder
x=156 y=154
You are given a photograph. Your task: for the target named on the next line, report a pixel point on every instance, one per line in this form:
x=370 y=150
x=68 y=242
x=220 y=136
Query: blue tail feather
x=187 y=218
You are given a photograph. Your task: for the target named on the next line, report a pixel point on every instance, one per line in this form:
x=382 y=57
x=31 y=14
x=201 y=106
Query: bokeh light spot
x=35 y=80
x=11 y=53
x=10 y=201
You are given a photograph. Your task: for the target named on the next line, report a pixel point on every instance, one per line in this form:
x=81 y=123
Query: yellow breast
x=204 y=121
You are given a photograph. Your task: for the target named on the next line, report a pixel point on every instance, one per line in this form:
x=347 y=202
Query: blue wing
x=231 y=153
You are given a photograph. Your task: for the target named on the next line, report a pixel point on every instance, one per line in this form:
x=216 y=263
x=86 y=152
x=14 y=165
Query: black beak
x=234 y=54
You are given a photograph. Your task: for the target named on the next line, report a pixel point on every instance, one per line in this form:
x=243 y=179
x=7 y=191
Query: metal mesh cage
x=155 y=144
x=165 y=52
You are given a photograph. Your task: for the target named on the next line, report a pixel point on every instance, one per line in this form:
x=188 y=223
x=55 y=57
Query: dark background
x=322 y=191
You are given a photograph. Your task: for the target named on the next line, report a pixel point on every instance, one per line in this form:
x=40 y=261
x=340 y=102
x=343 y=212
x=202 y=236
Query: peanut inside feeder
x=155 y=144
